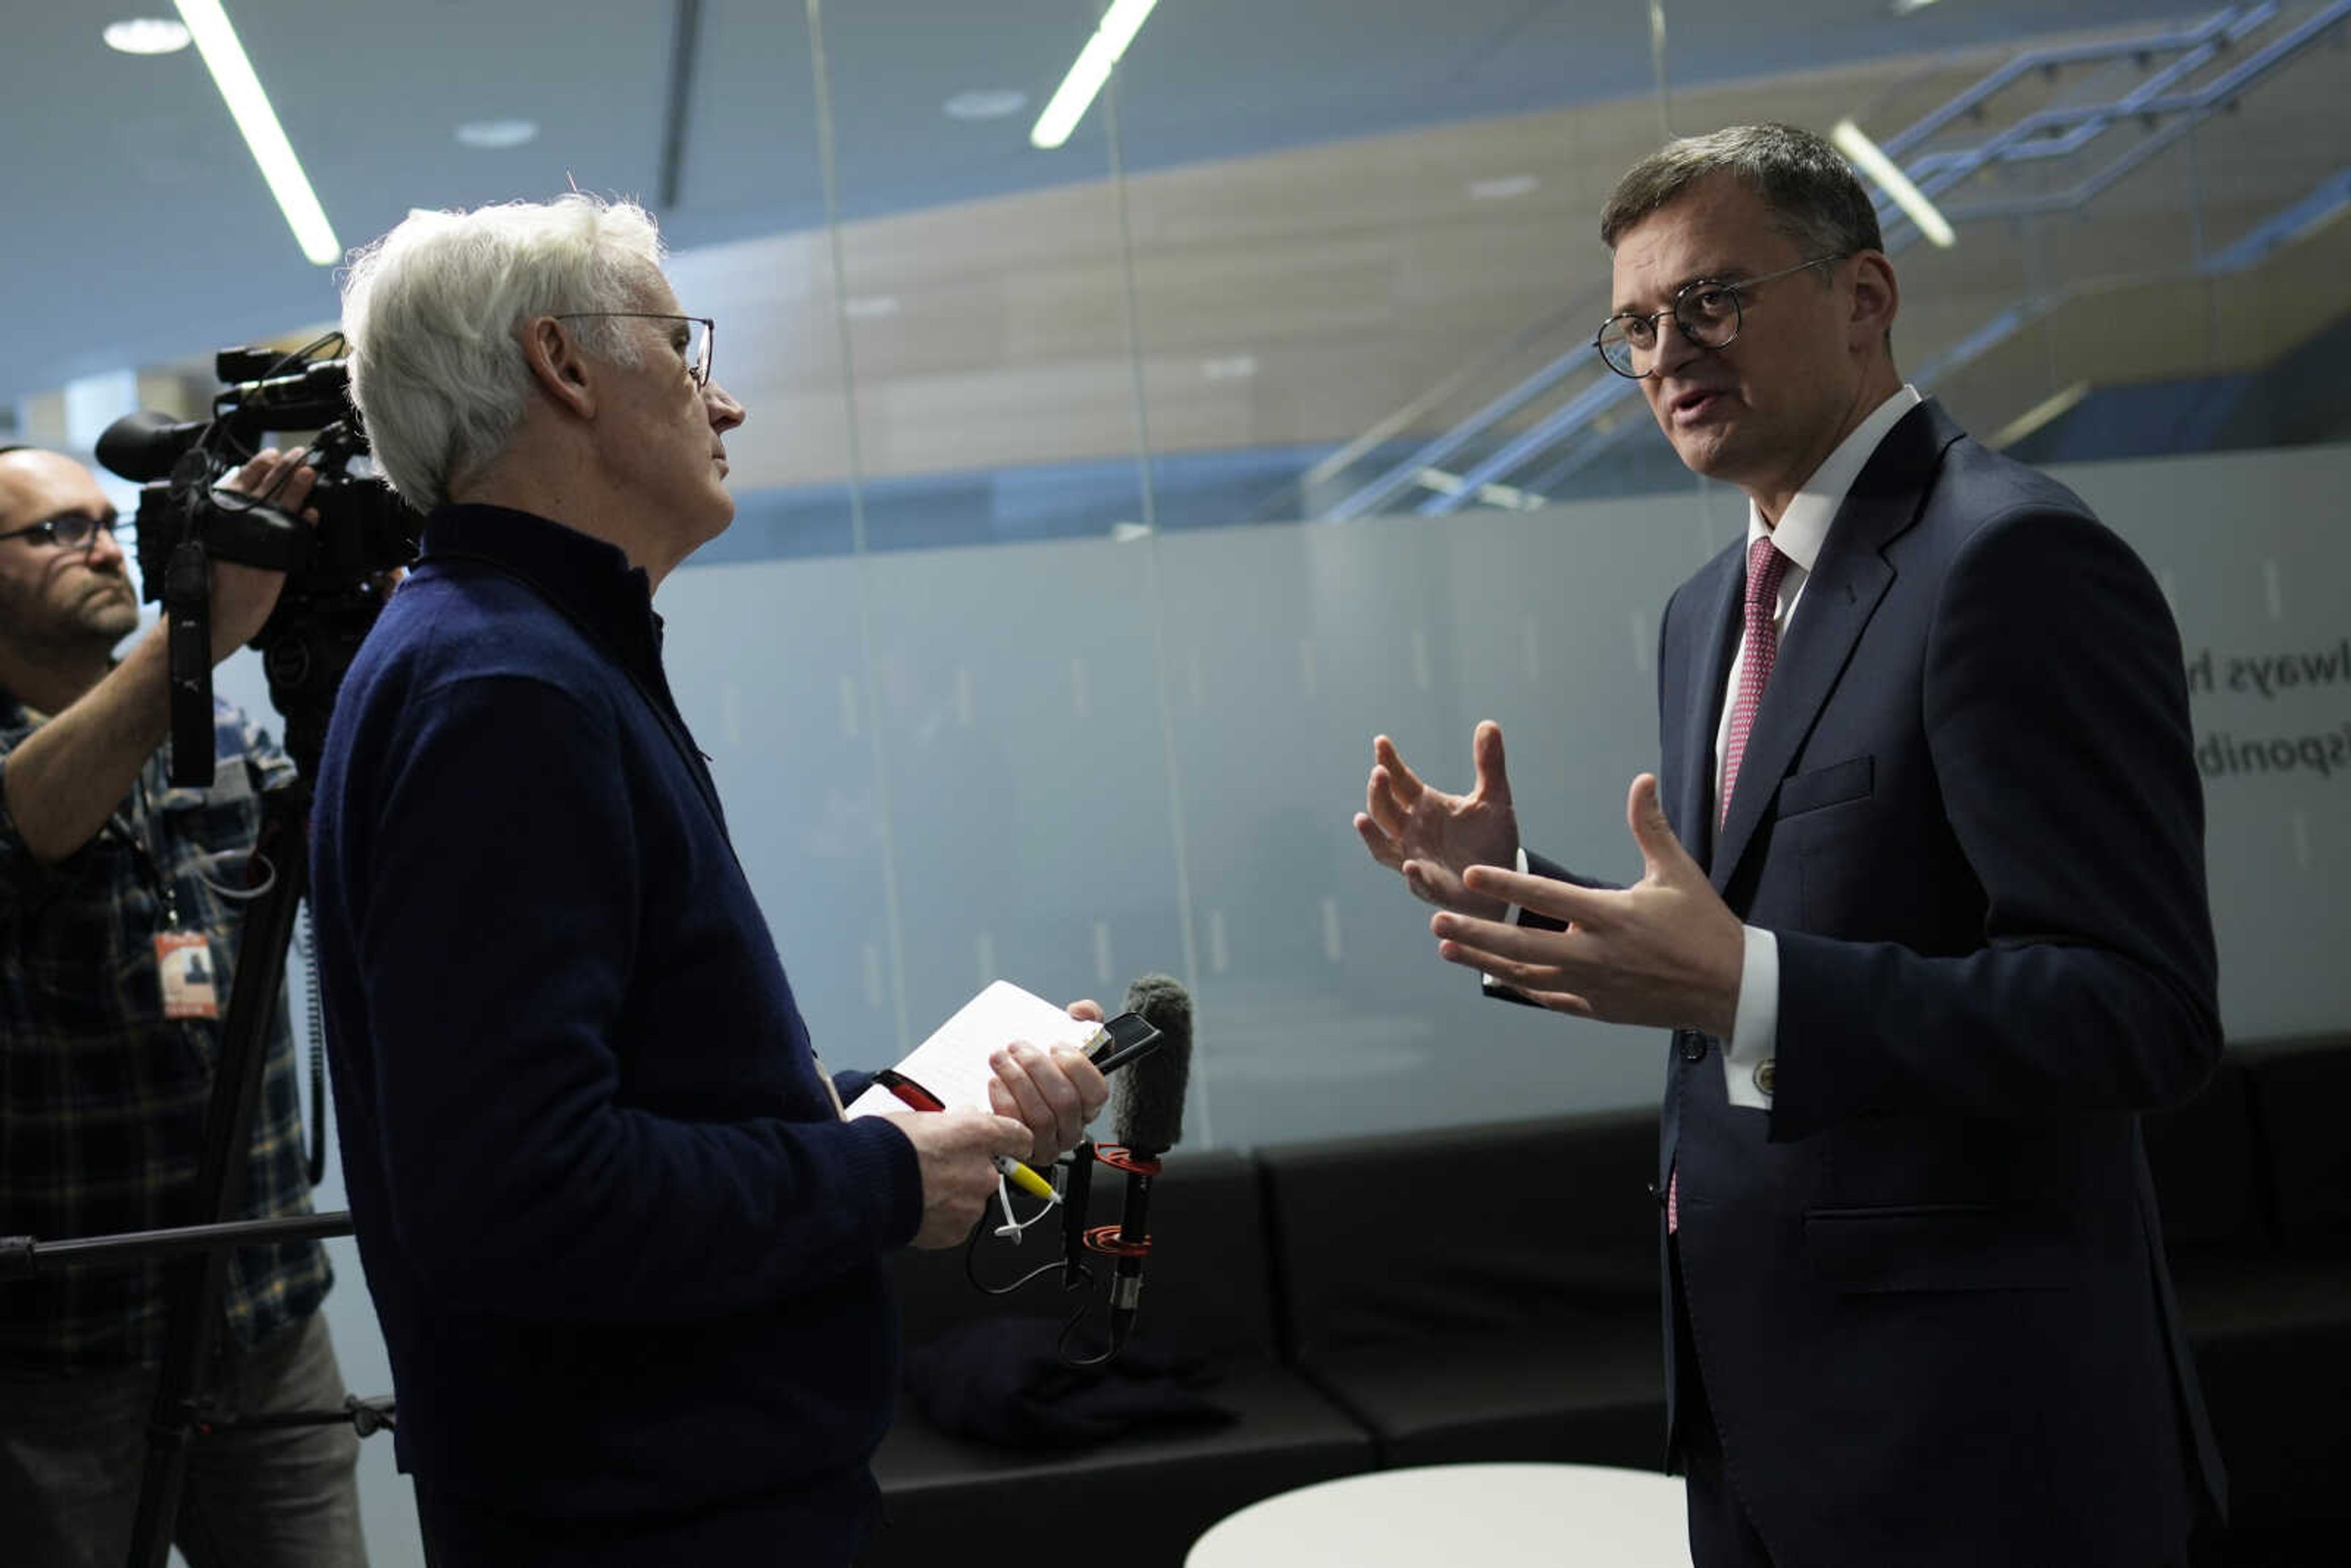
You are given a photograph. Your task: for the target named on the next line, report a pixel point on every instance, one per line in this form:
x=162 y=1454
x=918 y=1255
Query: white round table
x=1463 y=1514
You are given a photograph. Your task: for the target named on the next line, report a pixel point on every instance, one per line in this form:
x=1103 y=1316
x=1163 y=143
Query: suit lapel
x=1846 y=583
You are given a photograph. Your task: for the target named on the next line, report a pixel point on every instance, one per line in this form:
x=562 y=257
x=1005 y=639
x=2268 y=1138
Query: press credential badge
x=184 y=960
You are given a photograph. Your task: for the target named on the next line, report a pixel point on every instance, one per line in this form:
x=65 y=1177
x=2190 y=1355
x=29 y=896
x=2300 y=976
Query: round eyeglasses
x=1709 y=312
x=695 y=334
x=71 y=531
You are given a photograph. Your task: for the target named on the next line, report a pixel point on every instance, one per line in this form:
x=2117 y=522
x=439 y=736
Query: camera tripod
x=197 y=1282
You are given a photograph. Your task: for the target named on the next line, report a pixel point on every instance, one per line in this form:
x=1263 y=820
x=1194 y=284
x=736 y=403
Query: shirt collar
x=1804 y=524
x=586 y=576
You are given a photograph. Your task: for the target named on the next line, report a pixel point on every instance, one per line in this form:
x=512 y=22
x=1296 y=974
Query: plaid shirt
x=103 y=1100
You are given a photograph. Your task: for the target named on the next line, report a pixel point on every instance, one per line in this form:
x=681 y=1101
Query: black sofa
x=2255 y=1177
x=1206 y=1291
x=1490 y=1292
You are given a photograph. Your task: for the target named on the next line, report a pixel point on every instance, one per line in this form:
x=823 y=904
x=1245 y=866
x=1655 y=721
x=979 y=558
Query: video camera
x=336 y=574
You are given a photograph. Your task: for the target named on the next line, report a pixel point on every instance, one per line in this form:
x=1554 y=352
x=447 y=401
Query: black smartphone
x=1129 y=1037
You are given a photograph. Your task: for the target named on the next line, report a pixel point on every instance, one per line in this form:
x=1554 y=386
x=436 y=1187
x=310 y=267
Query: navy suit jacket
x=1928 y=1287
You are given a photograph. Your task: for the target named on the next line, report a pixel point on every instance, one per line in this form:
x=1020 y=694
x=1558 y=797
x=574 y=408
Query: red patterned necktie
x=1760 y=651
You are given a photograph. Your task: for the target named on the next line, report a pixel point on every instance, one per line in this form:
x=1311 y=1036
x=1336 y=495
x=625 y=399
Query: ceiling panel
x=142 y=232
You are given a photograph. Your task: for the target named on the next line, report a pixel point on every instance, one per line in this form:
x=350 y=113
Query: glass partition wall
x=1099 y=503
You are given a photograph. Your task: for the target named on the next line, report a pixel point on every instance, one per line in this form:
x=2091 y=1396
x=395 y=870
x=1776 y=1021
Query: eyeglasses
x=1709 y=312
x=694 y=350
x=72 y=531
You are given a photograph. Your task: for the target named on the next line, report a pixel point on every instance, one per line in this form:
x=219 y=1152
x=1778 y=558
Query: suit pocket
x=1937 y=1247
x=1851 y=779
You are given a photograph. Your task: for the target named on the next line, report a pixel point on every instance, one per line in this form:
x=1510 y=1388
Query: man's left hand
x=1056 y=1093
x=1666 y=951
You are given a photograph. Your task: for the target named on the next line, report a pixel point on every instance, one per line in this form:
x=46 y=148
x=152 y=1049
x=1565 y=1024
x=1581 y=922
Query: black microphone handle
x=1134 y=1231
x=1077 y=1195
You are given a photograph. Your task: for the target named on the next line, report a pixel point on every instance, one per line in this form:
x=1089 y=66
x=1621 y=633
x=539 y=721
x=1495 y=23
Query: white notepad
x=953 y=1063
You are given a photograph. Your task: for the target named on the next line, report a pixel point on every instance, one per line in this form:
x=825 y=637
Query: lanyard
x=143 y=835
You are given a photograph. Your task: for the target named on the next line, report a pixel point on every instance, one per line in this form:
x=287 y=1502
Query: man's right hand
x=957 y=1150
x=1430 y=837
x=243 y=596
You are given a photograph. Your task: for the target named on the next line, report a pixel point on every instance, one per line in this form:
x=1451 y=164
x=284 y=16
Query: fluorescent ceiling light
x=1503 y=187
x=984 y=103
x=1509 y=497
x=2051 y=407
x=496 y=135
x=1076 y=94
x=249 y=105
x=146 y=35
x=1872 y=161
x=1908 y=7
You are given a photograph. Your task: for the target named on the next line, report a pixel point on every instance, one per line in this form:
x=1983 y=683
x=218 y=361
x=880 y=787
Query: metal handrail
x=2199 y=40
x=2032 y=60
x=1432 y=453
x=2090 y=121
x=2028 y=139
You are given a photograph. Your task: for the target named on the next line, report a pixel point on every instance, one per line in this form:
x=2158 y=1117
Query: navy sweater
x=626 y=1257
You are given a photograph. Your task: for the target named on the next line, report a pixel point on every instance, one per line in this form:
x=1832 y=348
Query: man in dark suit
x=1923 y=906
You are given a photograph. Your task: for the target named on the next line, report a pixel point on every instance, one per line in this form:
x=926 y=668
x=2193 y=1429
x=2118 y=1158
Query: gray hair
x=432 y=311
x=1813 y=194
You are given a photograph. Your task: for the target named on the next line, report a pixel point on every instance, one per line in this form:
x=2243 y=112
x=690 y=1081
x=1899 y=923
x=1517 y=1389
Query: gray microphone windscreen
x=1147 y=1098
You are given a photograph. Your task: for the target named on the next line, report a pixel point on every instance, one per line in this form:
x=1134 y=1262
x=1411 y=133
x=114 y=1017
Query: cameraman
x=112 y=921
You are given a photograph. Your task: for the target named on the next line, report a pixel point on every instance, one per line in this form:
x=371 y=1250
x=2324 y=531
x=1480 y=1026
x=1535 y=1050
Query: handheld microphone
x=1127 y=1038
x=1147 y=1118
x=1077 y=1195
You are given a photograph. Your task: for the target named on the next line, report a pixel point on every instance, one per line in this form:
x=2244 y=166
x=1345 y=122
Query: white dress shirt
x=1802 y=529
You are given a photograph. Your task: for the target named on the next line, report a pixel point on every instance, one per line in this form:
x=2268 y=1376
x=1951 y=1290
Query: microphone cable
x=1013 y=1228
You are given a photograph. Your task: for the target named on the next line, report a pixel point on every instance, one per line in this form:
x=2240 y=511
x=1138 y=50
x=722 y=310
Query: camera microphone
x=144 y=447
x=312 y=397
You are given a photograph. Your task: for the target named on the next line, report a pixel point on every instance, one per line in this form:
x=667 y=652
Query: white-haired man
x=627 y=1254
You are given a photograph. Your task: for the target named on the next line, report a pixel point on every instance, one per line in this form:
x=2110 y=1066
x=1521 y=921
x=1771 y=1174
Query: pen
x=1026 y=1180
x=921 y=1099
x=907 y=1090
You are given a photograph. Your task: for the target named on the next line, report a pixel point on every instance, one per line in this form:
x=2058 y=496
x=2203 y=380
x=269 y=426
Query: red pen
x=907 y=1090
x=921 y=1099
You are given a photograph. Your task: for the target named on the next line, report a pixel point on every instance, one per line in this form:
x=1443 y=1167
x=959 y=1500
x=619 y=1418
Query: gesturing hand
x=1431 y=838
x=1666 y=951
x=957 y=1152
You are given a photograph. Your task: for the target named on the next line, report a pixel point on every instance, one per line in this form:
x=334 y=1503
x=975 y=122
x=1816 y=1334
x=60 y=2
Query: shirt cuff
x=1748 y=1061
x=1509 y=918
